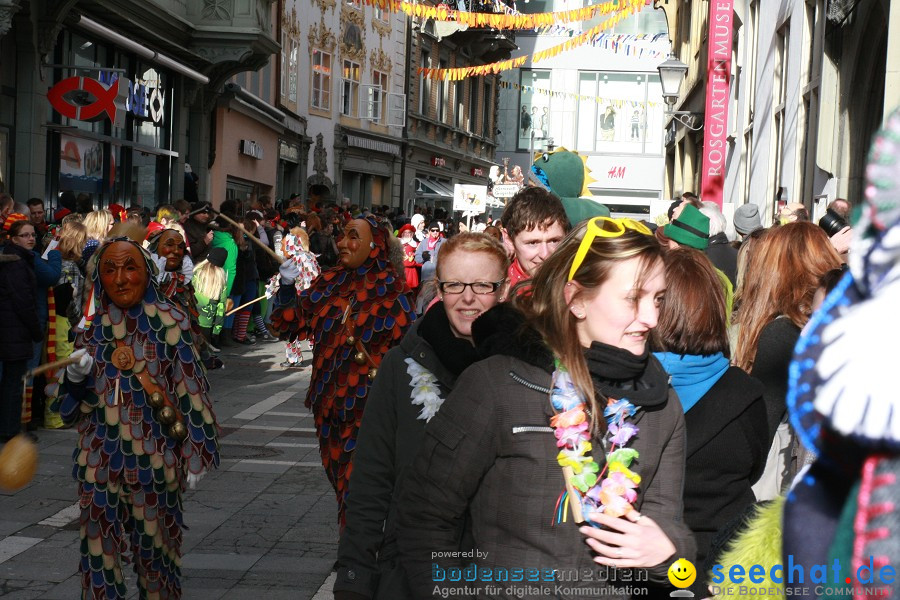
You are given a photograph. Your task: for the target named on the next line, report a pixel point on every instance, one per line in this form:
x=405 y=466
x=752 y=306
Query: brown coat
x=490 y=449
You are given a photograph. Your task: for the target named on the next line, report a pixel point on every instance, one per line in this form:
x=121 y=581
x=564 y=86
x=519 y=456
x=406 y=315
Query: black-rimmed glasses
x=479 y=287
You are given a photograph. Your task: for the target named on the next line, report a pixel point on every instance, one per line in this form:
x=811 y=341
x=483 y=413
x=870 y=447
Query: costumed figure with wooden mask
x=353 y=313
x=145 y=422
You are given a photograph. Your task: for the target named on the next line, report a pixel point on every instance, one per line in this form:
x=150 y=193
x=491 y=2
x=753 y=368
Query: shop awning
x=429 y=188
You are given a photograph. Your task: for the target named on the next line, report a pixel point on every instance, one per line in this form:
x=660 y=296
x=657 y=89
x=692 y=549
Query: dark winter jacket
x=723 y=256
x=490 y=450
x=322 y=245
x=19 y=326
x=389 y=438
x=196 y=238
x=727 y=445
x=773 y=357
x=46 y=274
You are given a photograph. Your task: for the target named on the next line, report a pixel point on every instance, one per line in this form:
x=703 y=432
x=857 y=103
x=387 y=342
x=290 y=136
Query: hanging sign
x=87 y=99
x=718 y=81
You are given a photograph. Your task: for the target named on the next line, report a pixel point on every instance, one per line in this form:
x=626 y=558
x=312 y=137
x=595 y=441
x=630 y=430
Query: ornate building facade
x=343 y=68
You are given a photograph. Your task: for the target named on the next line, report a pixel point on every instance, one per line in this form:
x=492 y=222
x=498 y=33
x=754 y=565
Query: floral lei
x=425 y=391
x=615 y=494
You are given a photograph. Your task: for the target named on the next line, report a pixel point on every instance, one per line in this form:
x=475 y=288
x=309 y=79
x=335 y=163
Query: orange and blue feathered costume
x=353 y=317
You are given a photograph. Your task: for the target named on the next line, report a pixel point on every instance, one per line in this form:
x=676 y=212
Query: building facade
x=342 y=68
x=452 y=126
x=602 y=100
x=114 y=98
x=811 y=82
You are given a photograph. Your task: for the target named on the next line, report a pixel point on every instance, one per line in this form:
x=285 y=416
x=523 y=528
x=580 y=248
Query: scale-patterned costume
x=130 y=467
x=353 y=317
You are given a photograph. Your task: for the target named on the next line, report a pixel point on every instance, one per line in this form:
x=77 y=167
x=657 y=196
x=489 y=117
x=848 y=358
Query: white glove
x=187 y=268
x=77 y=371
x=194 y=478
x=289 y=271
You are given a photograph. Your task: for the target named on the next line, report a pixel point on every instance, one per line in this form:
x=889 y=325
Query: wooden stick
x=252 y=237
x=50 y=366
x=574 y=496
x=244 y=305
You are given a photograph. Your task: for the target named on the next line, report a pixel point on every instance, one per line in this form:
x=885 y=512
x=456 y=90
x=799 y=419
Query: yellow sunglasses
x=604 y=227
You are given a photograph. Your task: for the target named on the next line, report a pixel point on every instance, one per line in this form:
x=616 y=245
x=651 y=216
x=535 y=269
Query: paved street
x=263 y=526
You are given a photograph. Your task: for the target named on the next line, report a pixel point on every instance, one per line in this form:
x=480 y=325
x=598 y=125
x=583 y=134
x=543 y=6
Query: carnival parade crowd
x=557 y=390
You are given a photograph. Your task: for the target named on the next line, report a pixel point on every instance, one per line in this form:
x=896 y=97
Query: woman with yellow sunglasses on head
x=568 y=432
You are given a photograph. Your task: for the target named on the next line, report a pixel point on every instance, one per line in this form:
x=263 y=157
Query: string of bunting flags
x=509 y=19
x=459 y=73
x=617 y=102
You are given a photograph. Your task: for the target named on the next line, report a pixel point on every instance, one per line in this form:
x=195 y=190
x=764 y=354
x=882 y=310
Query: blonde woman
x=209 y=282
x=68 y=295
x=98 y=223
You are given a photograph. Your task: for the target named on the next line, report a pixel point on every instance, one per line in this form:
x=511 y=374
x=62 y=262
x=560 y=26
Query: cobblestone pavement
x=261 y=527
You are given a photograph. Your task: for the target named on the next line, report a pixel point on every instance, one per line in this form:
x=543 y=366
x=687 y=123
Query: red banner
x=718 y=82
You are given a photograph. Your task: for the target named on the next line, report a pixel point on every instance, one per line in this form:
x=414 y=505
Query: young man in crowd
x=38 y=216
x=534 y=223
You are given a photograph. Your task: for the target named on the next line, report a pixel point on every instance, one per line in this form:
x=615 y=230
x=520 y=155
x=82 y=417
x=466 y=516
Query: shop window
x=350 y=89
x=534 y=108
x=321 y=80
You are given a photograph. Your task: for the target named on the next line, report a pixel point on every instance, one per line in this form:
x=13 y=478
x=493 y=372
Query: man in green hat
x=691 y=229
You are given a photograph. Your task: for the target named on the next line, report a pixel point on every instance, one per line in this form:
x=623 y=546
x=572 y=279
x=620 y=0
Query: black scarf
x=618 y=373
x=456 y=354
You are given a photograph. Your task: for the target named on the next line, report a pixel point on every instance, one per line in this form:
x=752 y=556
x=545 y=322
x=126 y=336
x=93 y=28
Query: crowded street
x=260 y=526
x=429 y=299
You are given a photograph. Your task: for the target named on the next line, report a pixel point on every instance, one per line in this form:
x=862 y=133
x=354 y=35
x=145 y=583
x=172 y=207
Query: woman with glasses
x=566 y=433
x=19 y=317
x=413 y=380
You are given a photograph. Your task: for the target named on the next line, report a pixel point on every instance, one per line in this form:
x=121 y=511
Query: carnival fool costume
x=146 y=426
x=353 y=313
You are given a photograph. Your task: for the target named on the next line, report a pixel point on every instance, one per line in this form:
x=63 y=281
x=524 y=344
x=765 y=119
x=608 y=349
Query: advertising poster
x=80 y=165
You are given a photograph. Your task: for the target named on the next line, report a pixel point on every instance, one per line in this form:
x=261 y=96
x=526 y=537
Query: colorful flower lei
x=615 y=494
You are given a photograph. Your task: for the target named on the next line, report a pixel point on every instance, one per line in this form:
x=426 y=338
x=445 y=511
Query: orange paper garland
x=458 y=73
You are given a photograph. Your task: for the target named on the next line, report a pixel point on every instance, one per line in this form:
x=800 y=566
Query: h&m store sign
x=89 y=99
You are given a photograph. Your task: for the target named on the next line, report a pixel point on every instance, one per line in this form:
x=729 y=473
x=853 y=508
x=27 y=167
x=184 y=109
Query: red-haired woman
x=775 y=303
x=724 y=411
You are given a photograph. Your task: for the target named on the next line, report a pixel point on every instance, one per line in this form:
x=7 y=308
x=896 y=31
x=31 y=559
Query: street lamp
x=671 y=74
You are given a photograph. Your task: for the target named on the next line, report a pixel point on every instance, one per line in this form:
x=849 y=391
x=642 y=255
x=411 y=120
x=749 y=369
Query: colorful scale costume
x=130 y=467
x=353 y=317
